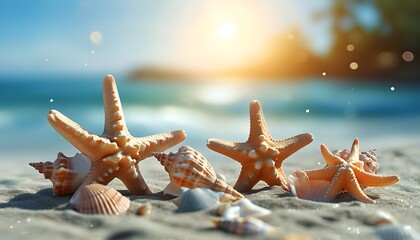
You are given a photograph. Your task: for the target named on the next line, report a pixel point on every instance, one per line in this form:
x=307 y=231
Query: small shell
x=188 y=168
x=144 y=209
x=304 y=188
x=396 y=232
x=243 y=226
x=369 y=159
x=99 y=199
x=380 y=218
x=197 y=199
x=242 y=208
x=66 y=173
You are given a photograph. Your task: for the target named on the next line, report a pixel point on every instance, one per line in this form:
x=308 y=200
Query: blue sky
x=49 y=36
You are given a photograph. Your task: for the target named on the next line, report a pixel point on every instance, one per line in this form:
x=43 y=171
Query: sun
x=226 y=30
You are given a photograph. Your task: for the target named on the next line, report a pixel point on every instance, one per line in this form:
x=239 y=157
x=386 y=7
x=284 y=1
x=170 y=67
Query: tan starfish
x=347 y=175
x=115 y=153
x=261 y=156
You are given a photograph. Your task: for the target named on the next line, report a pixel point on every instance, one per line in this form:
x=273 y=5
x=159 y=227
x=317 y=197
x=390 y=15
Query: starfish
x=261 y=156
x=347 y=175
x=115 y=153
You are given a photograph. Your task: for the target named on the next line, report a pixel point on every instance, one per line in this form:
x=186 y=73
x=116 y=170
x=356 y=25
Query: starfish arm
x=134 y=181
x=354 y=153
x=290 y=145
x=326 y=173
x=159 y=142
x=354 y=189
x=372 y=180
x=330 y=158
x=336 y=185
x=115 y=125
x=91 y=145
x=258 y=125
x=276 y=177
x=247 y=180
x=237 y=151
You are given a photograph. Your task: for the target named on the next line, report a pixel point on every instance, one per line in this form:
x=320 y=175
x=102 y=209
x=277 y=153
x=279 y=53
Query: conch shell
x=368 y=159
x=66 y=173
x=99 y=199
x=188 y=168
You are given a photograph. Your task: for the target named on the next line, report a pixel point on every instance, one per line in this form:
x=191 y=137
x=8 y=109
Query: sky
x=91 y=36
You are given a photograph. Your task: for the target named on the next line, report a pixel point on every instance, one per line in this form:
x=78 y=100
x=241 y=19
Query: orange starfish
x=261 y=156
x=347 y=175
x=115 y=153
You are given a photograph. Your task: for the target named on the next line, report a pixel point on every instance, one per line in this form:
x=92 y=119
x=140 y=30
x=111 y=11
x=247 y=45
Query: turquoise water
x=334 y=111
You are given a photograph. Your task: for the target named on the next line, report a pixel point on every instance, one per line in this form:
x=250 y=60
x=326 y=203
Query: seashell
x=369 y=159
x=380 y=218
x=242 y=208
x=197 y=199
x=396 y=232
x=188 y=168
x=66 y=173
x=243 y=226
x=304 y=188
x=99 y=199
x=144 y=209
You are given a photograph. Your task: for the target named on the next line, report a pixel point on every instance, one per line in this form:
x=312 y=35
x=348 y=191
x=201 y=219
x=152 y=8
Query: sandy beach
x=28 y=209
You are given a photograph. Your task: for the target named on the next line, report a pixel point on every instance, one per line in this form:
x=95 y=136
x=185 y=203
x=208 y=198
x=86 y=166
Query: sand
x=28 y=210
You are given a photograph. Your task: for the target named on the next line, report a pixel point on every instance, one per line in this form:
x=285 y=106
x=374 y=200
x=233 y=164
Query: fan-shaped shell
x=396 y=232
x=243 y=226
x=197 y=199
x=242 y=208
x=189 y=168
x=66 y=173
x=99 y=199
x=304 y=188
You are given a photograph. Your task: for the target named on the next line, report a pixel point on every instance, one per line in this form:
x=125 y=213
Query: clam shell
x=304 y=188
x=66 y=173
x=242 y=208
x=243 y=226
x=197 y=199
x=99 y=199
x=396 y=232
x=189 y=168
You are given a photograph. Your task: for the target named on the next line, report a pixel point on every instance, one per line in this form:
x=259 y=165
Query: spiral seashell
x=197 y=199
x=66 y=173
x=304 y=188
x=99 y=199
x=242 y=208
x=396 y=232
x=369 y=159
x=243 y=226
x=188 y=168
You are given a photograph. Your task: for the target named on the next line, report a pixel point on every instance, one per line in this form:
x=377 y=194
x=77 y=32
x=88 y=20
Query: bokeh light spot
x=407 y=56
x=96 y=37
x=392 y=88
x=350 y=47
x=324 y=74
x=354 y=65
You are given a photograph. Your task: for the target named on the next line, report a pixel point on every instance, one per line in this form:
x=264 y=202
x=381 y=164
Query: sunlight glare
x=219 y=94
x=226 y=30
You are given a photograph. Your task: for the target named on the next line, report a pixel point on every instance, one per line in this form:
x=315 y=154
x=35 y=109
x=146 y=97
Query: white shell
x=99 y=199
x=243 y=226
x=396 y=232
x=380 y=218
x=242 y=208
x=304 y=188
x=197 y=199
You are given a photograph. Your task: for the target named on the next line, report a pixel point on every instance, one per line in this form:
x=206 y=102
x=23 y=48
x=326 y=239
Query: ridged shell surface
x=302 y=187
x=369 y=159
x=100 y=199
x=66 y=173
x=197 y=199
x=188 y=168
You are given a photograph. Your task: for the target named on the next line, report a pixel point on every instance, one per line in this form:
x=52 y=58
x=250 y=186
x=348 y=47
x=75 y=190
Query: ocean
x=380 y=114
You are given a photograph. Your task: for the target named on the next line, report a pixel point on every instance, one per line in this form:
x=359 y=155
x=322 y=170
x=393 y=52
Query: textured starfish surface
x=261 y=156
x=347 y=175
x=115 y=153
